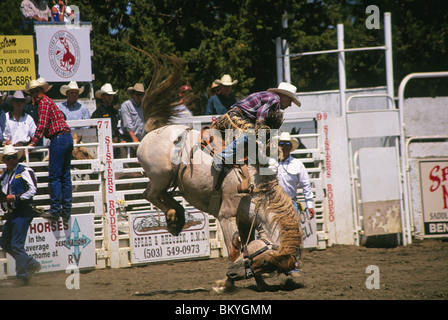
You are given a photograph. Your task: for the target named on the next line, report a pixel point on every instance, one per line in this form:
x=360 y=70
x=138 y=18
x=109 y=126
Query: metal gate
x=308 y=128
x=376 y=173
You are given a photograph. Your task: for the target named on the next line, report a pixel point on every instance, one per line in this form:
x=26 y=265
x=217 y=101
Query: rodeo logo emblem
x=64 y=54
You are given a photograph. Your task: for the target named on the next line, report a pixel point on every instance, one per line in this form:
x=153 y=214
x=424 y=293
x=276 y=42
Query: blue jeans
x=13 y=242
x=294 y=204
x=59 y=175
x=244 y=143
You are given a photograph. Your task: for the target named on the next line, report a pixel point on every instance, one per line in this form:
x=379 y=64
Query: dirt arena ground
x=418 y=271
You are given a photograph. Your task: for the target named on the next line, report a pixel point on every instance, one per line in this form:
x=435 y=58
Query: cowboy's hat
x=137 y=87
x=285 y=136
x=288 y=90
x=37 y=83
x=10 y=150
x=213 y=86
x=105 y=89
x=18 y=95
x=3 y=95
x=72 y=85
x=226 y=80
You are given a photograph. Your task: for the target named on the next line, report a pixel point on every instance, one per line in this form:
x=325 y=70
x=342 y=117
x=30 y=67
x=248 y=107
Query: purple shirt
x=257 y=105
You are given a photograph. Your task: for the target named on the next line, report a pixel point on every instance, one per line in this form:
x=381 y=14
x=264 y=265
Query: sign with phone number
x=17 y=66
x=151 y=241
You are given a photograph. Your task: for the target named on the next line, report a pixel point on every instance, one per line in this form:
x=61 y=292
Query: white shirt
x=67 y=13
x=292 y=173
x=19 y=131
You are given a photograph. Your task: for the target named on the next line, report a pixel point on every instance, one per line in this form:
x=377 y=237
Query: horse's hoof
x=171 y=215
x=221 y=283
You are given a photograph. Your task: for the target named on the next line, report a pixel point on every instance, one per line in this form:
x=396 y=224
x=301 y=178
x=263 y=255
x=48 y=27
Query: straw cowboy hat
x=10 y=150
x=18 y=95
x=226 y=80
x=285 y=136
x=37 y=83
x=72 y=85
x=105 y=89
x=213 y=86
x=138 y=87
x=288 y=90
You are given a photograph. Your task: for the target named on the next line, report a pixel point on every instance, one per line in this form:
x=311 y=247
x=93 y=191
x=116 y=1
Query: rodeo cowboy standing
x=52 y=125
x=18 y=186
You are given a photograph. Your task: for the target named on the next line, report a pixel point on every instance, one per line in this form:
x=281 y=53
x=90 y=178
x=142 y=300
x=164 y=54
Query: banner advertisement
x=434 y=192
x=151 y=241
x=58 y=244
x=64 y=52
x=309 y=229
x=17 y=66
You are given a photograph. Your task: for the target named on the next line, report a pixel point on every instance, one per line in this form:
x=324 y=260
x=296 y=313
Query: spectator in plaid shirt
x=244 y=115
x=52 y=125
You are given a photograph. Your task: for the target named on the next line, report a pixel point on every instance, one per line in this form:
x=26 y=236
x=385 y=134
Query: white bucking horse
x=170 y=156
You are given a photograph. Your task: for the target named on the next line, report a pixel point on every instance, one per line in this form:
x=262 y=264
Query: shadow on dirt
x=286 y=285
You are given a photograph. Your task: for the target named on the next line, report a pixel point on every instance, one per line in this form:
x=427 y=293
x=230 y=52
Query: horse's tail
x=161 y=96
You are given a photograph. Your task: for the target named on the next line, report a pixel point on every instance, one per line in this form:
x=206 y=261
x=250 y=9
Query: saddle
x=214 y=143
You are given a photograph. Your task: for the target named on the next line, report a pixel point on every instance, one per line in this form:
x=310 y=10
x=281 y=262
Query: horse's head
x=279 y=229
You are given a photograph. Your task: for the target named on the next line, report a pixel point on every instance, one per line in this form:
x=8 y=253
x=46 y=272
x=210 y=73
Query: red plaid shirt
x=51 y=121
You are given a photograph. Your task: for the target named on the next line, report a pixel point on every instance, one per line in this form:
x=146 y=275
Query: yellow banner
x=17 y=66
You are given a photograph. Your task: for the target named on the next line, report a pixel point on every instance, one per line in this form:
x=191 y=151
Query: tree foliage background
x=238 y=37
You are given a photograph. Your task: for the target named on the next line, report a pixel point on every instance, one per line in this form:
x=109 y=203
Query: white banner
x=57 y=245
x=308 y=229
x=150 y=240
x=64 y=52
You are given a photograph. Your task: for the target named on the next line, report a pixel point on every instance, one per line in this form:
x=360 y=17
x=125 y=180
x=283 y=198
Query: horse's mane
x=273 y=199
x=161 y=96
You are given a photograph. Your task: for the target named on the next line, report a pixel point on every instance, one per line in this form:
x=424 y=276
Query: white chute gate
x=375 y=171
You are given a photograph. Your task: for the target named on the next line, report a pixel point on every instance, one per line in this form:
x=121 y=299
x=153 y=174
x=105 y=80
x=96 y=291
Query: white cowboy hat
x=107 y=89
x=19 y=96
x=10 y=150
x=226 y=80
x=285 y=136
x=137 y=87
x=288 y=90
x=37 y=83
x=72 y=85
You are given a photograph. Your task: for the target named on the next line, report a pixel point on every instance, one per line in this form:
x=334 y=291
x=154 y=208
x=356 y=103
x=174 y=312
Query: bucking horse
x=170 y=156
